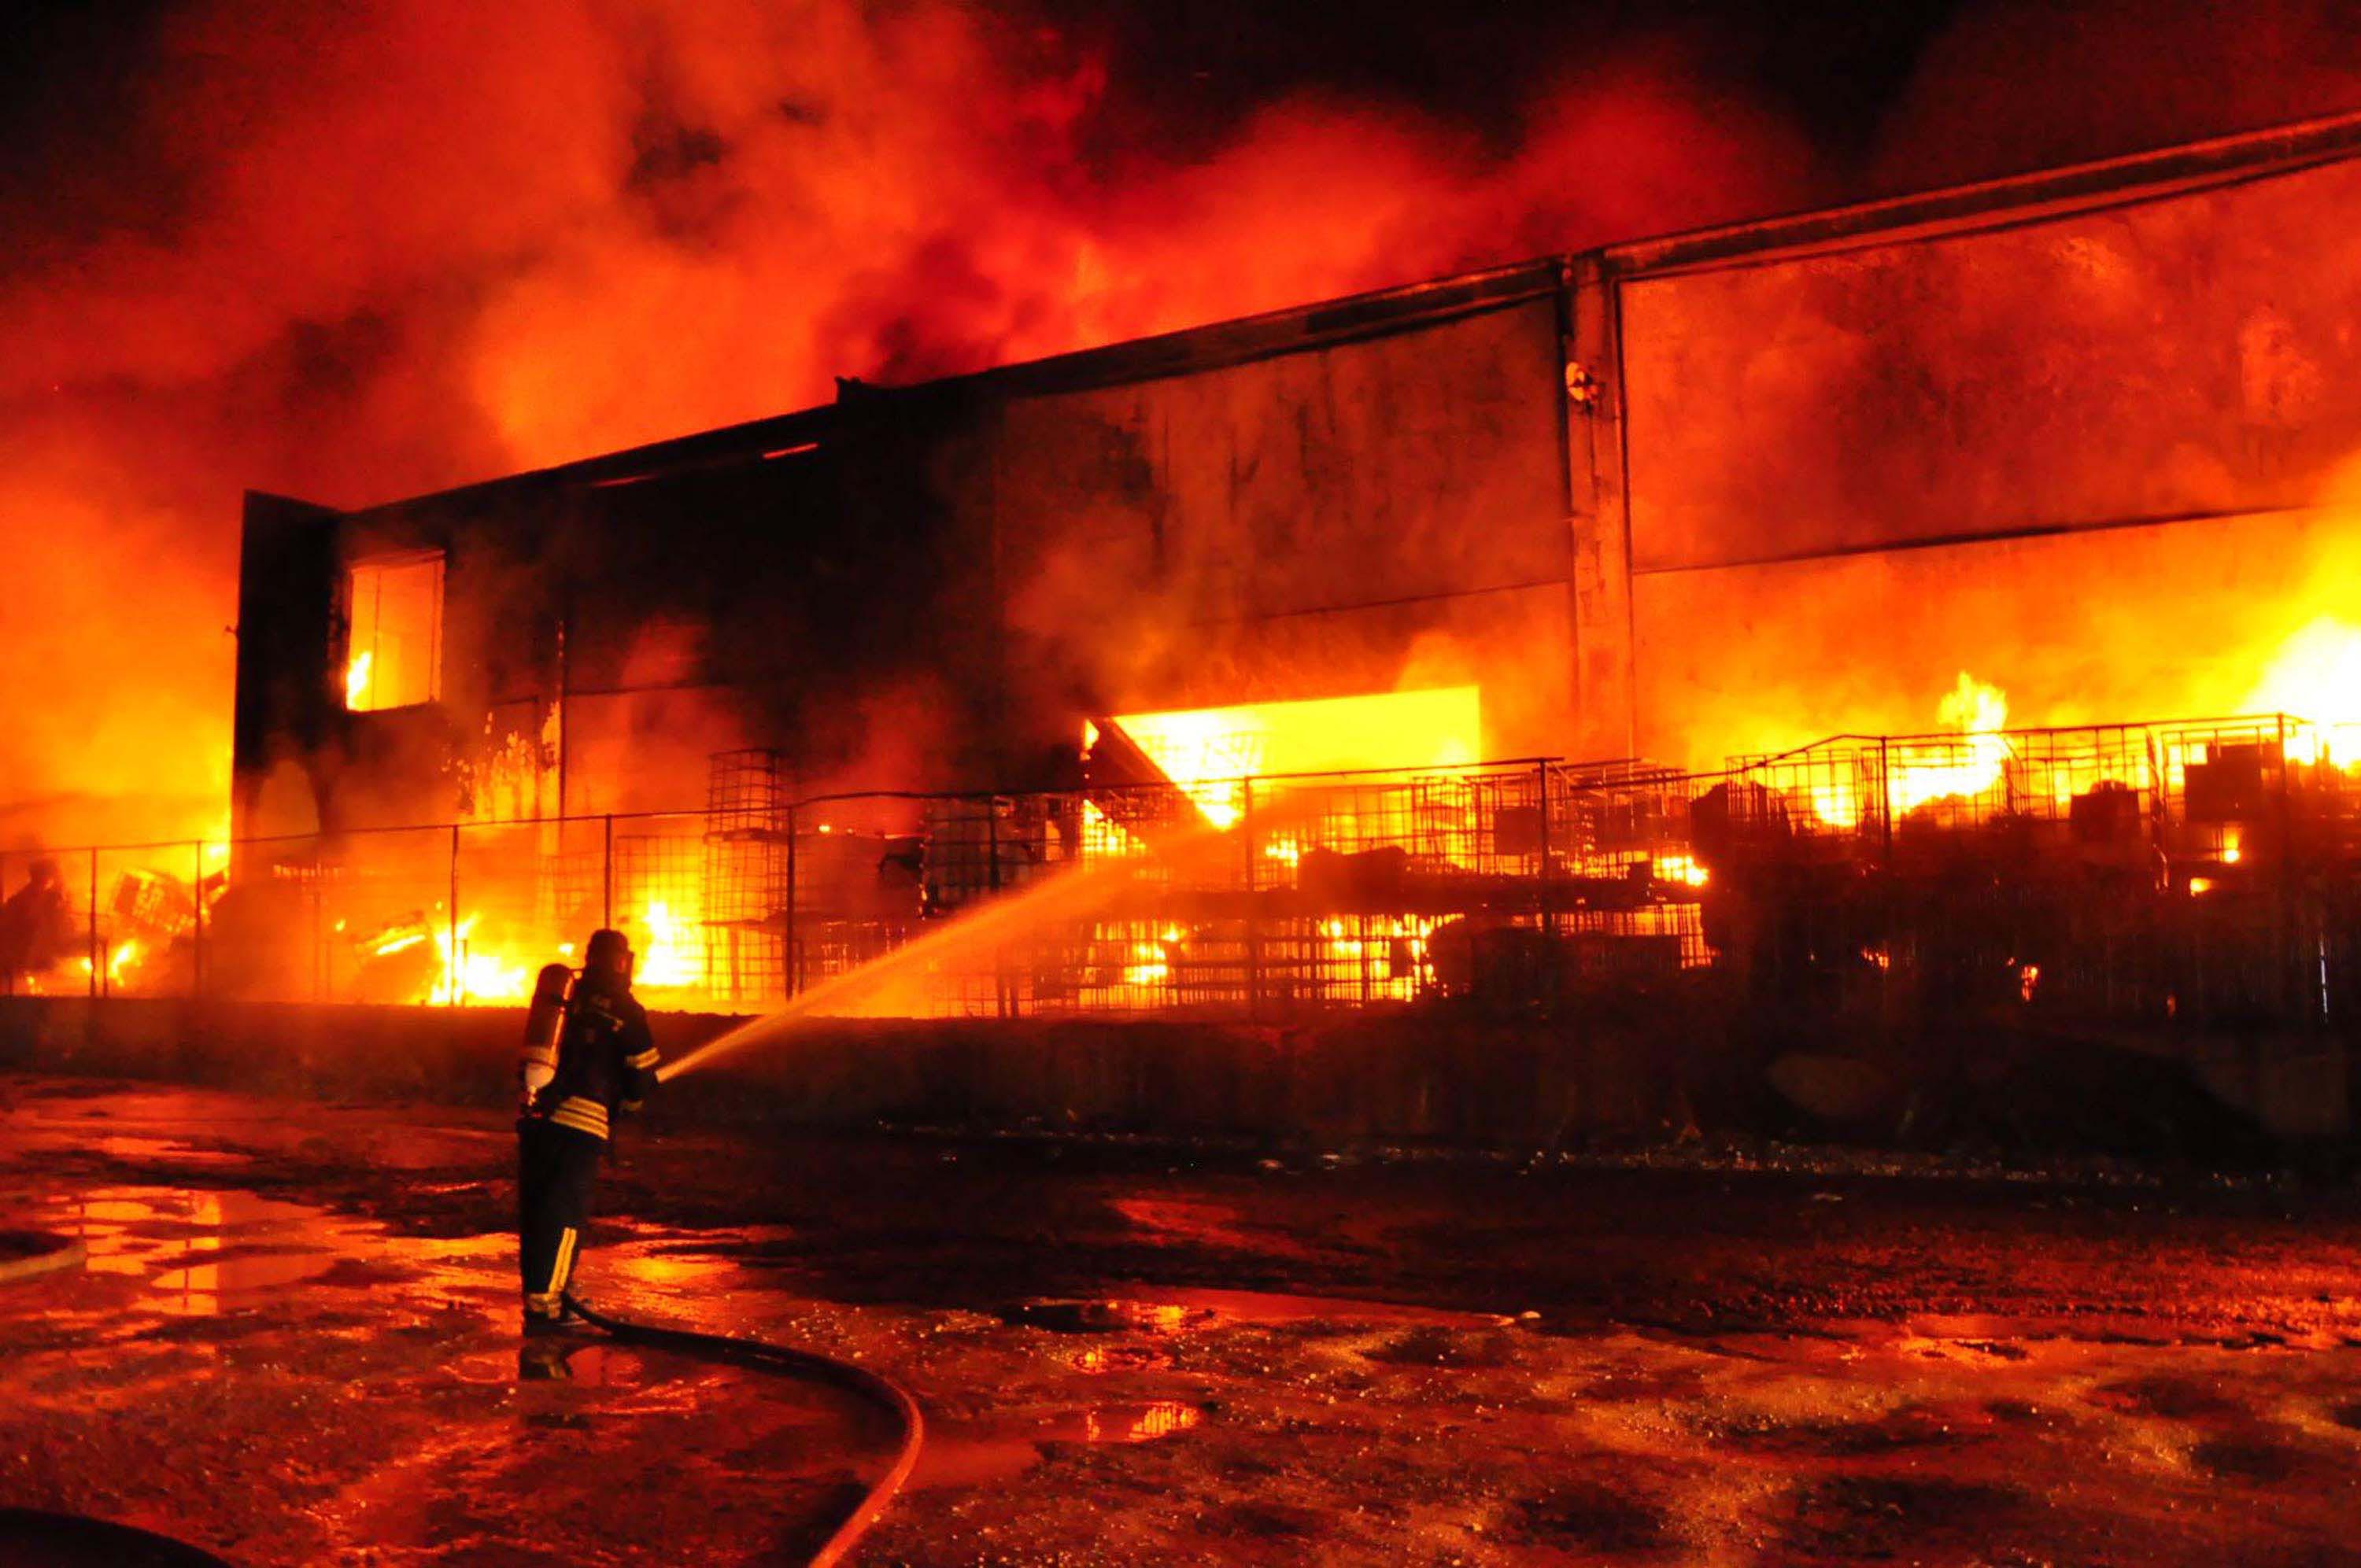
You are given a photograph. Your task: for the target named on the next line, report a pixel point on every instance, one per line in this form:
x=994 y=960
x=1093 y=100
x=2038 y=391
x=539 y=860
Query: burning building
x=1345 y=625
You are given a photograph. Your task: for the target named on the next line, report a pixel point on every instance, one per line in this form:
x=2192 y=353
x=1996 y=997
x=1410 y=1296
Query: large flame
x=2317 y=676
x=673 y=955
x=468 y=974
x=356 y=681
x=1207 y=751
x=1922 y=772
x=1980 y=713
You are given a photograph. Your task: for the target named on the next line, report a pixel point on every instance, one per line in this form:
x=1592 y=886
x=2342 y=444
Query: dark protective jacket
x=606 y=1060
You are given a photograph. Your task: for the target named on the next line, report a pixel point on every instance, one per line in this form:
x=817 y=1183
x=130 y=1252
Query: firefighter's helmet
x=609 y=952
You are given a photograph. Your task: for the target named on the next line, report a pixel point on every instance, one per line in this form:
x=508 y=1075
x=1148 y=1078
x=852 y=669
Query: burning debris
x=2050 y=874
x=145 y=937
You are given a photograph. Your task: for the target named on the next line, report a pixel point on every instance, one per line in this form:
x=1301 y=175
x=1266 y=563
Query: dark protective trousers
x=556 y=1168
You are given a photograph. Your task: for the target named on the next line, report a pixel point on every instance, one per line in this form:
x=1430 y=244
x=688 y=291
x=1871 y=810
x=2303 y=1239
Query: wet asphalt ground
x=291 y=1341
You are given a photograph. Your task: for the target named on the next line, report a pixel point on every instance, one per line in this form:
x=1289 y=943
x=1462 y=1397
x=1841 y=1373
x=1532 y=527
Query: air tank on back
x=543 y=1022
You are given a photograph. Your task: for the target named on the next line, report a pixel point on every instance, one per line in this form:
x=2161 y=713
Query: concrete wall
x=1385 y=1074
x=1448 y=1075
x=2189 y=353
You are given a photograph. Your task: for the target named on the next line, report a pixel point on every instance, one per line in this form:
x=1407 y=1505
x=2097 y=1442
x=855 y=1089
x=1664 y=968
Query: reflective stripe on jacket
x=606 y=1060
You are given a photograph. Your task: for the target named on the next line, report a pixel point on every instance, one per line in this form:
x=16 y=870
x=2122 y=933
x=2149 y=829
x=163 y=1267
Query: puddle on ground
x=202 y=1290
x=149 y=1127
x=586 y=1364
x=415 y=1147
x=34 y=1131
x=1094 y=1359
x=979 y=1453
x=1130 y=1333
x=123 y=1146
x=671 y=1272
x=1103 y=1317
x=1157 y=1310
x=201 y=1252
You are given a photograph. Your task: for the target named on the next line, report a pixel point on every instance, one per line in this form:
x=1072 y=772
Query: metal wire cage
x=2193 y=873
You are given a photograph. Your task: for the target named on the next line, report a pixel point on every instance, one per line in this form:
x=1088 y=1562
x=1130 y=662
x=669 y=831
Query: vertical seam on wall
x=1624 y=497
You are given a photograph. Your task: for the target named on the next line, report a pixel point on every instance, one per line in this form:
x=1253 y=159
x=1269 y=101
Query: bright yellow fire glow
x=673 y=957
x=356 y=681
x=1148 y=966
x=1207 y=750
x=1838 y=805
x=1978 y=711
x=1680 y=869
x=1921 y=773
x=2317 y=676
x=470 y=976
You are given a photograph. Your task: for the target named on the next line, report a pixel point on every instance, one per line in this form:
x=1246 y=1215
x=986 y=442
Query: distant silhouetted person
x=36 y=927
x=605 y=1063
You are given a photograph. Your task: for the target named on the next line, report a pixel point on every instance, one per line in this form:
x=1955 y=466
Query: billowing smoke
x=390 y=247
x=2020 y=84
x=358 y=251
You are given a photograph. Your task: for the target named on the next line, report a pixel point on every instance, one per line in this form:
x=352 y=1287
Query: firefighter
x=605 y=1063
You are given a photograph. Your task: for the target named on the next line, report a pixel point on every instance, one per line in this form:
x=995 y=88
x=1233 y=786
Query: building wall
x=1374 y=514
x=2093 y=453
x=2111 y=424
x=948 y=583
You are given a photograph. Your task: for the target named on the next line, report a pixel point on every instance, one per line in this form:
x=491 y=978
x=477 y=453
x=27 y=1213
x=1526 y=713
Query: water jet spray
x=1075 y=894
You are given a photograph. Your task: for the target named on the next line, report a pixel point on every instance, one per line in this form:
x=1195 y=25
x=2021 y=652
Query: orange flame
x=1978 y=711
x=467 y=975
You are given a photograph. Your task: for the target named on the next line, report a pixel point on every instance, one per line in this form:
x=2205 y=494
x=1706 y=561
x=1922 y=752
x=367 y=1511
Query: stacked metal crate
x=746 y=887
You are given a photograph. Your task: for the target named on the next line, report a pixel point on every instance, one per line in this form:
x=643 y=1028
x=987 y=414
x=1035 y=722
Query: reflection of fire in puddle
x=1156 y=1311
x=121 y=1146
x=218 y=1247
x=203 y=1289
x=1102 y=1317
x=674 y=1271
x=1098 y=1358
x=986 y=1453
x=590 y=1364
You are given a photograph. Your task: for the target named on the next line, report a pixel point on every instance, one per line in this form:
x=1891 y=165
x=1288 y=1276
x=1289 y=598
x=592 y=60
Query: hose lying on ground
x=873 y=1386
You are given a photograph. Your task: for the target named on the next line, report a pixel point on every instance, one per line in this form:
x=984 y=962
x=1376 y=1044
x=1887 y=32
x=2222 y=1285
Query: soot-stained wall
x=933 y=588
x=1356 y=517
x=2114 y=426
x=2084 y=436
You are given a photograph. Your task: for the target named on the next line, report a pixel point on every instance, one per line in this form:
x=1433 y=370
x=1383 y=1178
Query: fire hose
x=873 y=1386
